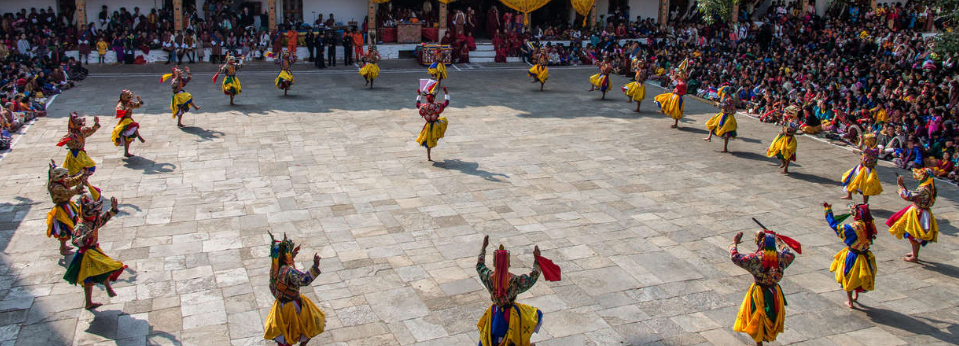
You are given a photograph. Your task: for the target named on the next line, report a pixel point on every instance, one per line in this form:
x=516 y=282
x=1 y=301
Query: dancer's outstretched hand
x=485 y=242
x=316 y=261
x=536 y=251
x=738 y=238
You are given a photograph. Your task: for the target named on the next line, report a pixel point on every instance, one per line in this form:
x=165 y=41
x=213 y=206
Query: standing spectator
x=310 y=44
x=319 y=42
x=101 y=50
x=83 y=44
x=331 y=46
x=347 y=47
x=291 y=40
x=357 y=45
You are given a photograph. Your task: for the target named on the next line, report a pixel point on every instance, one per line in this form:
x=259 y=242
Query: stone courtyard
x=638 y=215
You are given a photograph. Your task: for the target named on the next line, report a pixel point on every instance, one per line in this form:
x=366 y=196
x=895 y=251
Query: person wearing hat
x=636 y=90
x=63 y=217
x=370 y=69
x=863 y=178
x=284 y=80
x=231 y=85
x=293 y=318
x=723 y=124
x=437 y=69
x=507 y=322
x=91 y=266
x=435 y=127
x=671 y=103
x=75 y=140
x=916 y=222
x=126 y=129
x=784 y=146
x=763 y=311
x=600 y=81
x=854 y=265
x=540 y=72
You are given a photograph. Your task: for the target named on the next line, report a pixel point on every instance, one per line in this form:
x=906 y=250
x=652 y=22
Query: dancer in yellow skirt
x=284 y=80
x=600 y=81
x=763 y=311
x=77 y=160
x=540 y=72
x=916 y=221
x=63 y=217
x=854 y=265
x=724 y=123
x=636 y=91
x=370 y=69
x=507 y=322
x=293 y=317
x=126 y=129
x=231 y=85
x=91 y=266
x=863 y=178
x=672 y=104
x=435 y=127
x=437 y=69
x=182 y=101
x=784 y=146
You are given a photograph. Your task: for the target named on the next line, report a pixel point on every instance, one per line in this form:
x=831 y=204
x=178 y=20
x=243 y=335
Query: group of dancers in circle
x=77 y=215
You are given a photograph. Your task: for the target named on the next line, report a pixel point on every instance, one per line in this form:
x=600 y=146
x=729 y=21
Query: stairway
x=485 y=53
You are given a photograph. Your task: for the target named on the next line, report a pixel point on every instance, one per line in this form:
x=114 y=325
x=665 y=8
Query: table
x=409 y=33
x=387 y=35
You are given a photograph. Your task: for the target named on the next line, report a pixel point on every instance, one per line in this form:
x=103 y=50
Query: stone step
x=482 y=54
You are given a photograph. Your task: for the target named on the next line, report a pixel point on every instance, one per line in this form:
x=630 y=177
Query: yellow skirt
x=539 y=72
x=599 y=81
x=522 y=325
x=284 y=321
x=636 y=91
x=762 y=314
x=432 y=132
x=370 y=71
x=77 y=160
x=783 y=148
x=863 y=180
x=231 y=86
x=124 y=131
x=437 y=70
x=722 y=125
x=857 y=273
x=910 y=223
x=93 y=266
x=670 y=104
x=283 y=76
x=180 y=103
x=61 y=220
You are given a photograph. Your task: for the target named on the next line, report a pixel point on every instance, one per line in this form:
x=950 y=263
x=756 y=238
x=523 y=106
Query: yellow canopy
x=446 y=1
x=381 y=1
x=525 y=6
x=583 y=7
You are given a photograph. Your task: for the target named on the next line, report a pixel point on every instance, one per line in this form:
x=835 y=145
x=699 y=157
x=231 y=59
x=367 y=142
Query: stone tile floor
x=638 y=216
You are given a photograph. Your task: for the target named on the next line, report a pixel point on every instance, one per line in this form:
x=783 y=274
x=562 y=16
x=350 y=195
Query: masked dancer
x=636 y=90
x=126 y=129
x=75 y=140
x=370 y=69
x=435 y=127
x=863 y=178
x=182 y=101
x=600 y=81
x=63 y=217
x=91 y=266
x=723 y=124
x=784 y=146
x=916 y=222
x=854 y=265
x=507 y=322
x=672 y=103
x=763 y=311
x=437 y=69
x=231 y=84
x=284 y=80
x=293 y=317
x=540 y=72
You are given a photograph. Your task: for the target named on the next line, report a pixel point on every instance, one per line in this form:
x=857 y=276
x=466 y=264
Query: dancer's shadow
x=148 y=166
x=692 y=129
x=130 y=278
x=122 y=206
x=471 y=168
x=911 y=324
x=942 y=268
x=748 y=140
x=809 y=178
x=205 y=135
x=749 y=155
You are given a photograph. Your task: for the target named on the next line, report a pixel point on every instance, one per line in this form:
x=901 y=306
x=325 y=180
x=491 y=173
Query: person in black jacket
x=347 y=47
x=318 y=42
x=309 y=43
x=331 y=48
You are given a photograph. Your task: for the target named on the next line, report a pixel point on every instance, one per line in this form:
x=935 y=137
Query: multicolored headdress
x=922 y=174
x=75 y=123
x=429 y=86
x=56 y=173
x=281 y=250
x=860 y=212
x=683 y=66
x=723 y=92
x=500 y=272
x=869 y=139
x=792 y=110
x=90 y=207
x=766 y=240
x=126 y=94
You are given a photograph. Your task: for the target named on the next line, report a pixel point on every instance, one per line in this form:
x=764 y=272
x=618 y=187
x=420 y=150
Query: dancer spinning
x=437 y=69
x=723 y=124
x=77 y=160
x=284 y=80
x=126 y=129
x=507 y=322
x=763 y=311
x=370 y=69
x=182 y=101
x=435 y=127
x=636 y=91
x=916 y=222
x=600 y=81
x=784 y=146
x=854 y=265
x=63 y=217
x=293 y=318
x=231 y=84
x=672 y=103
x=91 y=266
x=539 y=72
x=863 y=178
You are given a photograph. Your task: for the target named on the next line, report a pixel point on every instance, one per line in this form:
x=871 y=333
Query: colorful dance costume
x=62 y=187
x=784 y=146
x=672 y=103
x=916 y=221
x=77 y=159
x=600 y=81
x=763 y=311
x=506 y=322
x=854 y=265
x=181 y=101
x=437 y=69
x=723 y=125
x=540 y=72
x=285 y=80
x=370 y=69
x=435 y=127
x=126 y=129
x=293 y=318
x=636 y=91
x=863 y=178
x=231 y=85
x=90 y=265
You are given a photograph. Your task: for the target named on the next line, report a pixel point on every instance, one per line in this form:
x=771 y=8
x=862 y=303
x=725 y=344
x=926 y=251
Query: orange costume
x=291 y=39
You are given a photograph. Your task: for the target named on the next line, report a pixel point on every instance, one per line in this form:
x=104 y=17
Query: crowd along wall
x=342 y=10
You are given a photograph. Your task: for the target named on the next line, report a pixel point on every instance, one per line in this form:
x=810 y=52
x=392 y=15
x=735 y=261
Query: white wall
x=94 y=6
x=11 y=6
x=644 y=8
x=342 y=10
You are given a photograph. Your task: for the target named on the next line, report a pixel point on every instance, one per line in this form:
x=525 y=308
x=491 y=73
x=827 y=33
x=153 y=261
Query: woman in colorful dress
x=672 y=103
x=435 y=127
x=182 y=101
x=600 y=81
x=916 y=221
x=784 y=146
x=863 y=178
x=231 y=85
x=126 y=129
x=723 y=124
x=293 y=318
x=284 y=80
x=437 y=69
x=540 y=72
x=91 y=266
x=77 y=160
x=507 y=322
x=854 y=265
x=636 y=91
x=762 y=314
x=370 y=69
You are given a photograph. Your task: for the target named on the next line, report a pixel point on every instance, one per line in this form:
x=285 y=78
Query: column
x=271 y=10
x=802 y=7
x=735 y=13
x=663 y=13
x=592 y=16
x=177 y=14
x=371 y=24
x=81 y=13
x=442 y=31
